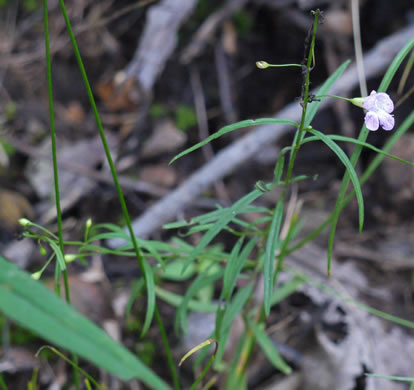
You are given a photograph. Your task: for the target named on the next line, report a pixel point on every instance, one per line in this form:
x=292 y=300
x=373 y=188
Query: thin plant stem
x=300 y=133
x=170 y=358
x=139 y=256
x=53 y=139
x=55 y=166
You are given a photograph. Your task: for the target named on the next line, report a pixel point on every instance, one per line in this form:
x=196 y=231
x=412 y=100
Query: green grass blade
x=350 y=170
x=193 y=304
x=271 y=247
x=268 y=348
x=149 y=313
x=392 y=378
x=233 y=127
x=133 y=295
x=230 y=269
x=363 y=144
x=59 y=255
x=280 y=164
x=235 y=265
x=287 y=289
x=199 y=282
x=395 y=64
x=34 y=306
x=227 y=215
x=230 y=314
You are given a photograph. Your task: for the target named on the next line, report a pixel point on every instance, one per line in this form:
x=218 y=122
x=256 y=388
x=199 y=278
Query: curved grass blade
x=193 y=304
x=226 y=217
x=233 y=127
x=229 y=315
x=149 y=313
x=272 y=245
x=199 y=282
x=235 y=265
x=350 y=170
x=71 y=362
x=363 y=144
x=230 y=270
x=35 y=307
x=268 y=348
x=392 y=378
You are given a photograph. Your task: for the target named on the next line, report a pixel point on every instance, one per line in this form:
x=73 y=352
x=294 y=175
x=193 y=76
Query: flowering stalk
x=249 y=340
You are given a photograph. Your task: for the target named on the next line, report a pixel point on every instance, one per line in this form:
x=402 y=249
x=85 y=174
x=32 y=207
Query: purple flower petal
x=386 y=120
x=370 y=101
x=371 y=120
x=384 y=102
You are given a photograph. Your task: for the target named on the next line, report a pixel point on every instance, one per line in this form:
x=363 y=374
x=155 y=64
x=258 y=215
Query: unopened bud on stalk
x=262 y=64
x=25 y=222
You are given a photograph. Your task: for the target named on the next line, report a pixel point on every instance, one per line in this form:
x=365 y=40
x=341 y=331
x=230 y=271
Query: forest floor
x=165 y=84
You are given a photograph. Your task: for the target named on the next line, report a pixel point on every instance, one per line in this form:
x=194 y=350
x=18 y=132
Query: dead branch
x=158 y=40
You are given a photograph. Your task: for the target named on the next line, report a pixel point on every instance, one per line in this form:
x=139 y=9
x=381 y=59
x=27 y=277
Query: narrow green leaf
x=135 y=291
x=149 y=313
x=395 y=64
x=268 y=348
x=174 y=271
x=350 y=169
x=287 y=289
x=199 y=282
x=235 y=265
x=392 y=378
x=363 y=144
x=227 y=216
x=230 y=314
x=230 y=270
x=58 y=252
x=271 y=247
x=233 y=127
x=35 y=307
x=176 y=300
x=278 y=171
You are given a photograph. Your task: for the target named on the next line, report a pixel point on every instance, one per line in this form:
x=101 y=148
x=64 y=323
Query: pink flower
x=379 y=107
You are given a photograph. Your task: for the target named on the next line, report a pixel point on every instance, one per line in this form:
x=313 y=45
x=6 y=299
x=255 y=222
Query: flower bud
x=25 y=222
x=262 y=64
x=69 y=257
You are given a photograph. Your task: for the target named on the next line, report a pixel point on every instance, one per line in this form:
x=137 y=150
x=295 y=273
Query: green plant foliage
x=158 y=110
x=257 y=254
x=268 y=348
x=31 y=5
x=22 y=298
x=185 y=117
x=233 y=127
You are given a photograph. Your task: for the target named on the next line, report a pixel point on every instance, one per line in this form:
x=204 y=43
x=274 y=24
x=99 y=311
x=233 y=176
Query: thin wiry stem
x=54 y=159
